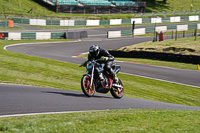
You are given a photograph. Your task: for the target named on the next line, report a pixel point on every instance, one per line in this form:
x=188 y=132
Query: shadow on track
x=77 y=95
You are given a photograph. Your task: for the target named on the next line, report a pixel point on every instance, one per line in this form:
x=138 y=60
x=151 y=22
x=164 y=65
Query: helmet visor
x=93 y=53
x=94 y=50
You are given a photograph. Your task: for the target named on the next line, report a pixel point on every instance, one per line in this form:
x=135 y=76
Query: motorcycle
x=92 y=82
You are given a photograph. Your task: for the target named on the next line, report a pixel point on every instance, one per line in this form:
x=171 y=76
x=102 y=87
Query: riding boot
x=101 y=77
x=115 y=78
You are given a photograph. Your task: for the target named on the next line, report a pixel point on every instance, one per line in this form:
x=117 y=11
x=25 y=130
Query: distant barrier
x=76 y=35
x=42 y=35
x=158 y=56
x=141 y=31
x=32 y=36
x=43 y=22
x=3 y=23
x=9 y=23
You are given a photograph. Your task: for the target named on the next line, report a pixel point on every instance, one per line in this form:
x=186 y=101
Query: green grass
x=11 y=28
x=155 y=63
x=29 y=7
x=172 y=5
x=184 y=46
x=22 y=7
x=23 y=69
x=160 y=63
x=180 y=45
x=114 y=121
x=143 y=88
x=17 y=68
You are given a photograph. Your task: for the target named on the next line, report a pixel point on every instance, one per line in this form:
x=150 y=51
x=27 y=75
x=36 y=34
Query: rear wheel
x=118 y=92
x=85 y=85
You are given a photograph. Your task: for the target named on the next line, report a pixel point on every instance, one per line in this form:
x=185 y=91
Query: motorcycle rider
x=95 y=52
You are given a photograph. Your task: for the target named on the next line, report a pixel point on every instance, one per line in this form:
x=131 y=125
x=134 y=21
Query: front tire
x=85 y=85
x=117 y=92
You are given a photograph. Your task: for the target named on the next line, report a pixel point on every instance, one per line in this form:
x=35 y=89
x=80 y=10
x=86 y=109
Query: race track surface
x=19 y=99
x=63 y=51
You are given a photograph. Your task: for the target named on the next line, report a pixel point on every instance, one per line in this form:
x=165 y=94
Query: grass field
x=173 y=5
x=29 y=7
x=114 y=121
x=29 y=70
x=22 y=69
x=160 y=63
x=183 y=46
x=156 y=63
x=10 y=29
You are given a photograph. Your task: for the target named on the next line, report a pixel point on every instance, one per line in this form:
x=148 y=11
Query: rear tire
x=117 y=93
x=85 y=85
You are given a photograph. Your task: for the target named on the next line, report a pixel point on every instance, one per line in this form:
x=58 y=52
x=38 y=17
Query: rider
x=95 y=52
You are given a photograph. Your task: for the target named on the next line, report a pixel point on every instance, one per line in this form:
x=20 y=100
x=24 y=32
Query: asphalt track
x=63 y=51
x=19 y=99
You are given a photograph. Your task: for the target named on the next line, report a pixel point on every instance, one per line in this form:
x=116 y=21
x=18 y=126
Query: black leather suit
x=108 y=63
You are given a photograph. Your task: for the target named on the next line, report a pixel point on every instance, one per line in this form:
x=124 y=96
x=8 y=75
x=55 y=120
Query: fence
x=22 y=23
x=193 y=59
x=38 y=24
x=111 y=34
x=43 y=22
x=142 y=31
x=31 y=36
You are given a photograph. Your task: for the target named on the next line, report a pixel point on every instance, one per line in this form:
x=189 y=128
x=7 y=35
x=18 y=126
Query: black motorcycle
x=92 y=82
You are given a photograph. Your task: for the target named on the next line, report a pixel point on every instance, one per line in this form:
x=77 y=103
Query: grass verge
x=29 y=70
x=160 y=63
x=30 y=7
x=114 y=121
x=23 y=69
x=155 y=63
x=171 y=5
x=11 y=28
x=183 y=46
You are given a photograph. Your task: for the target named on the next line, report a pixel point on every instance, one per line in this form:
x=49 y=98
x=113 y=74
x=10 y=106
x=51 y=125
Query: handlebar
x=97 y=60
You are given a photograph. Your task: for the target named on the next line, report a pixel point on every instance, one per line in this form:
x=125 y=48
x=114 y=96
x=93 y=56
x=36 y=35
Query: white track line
x=18 y=44
x=146 y=76
x=75 y=56
x=29 y=114
x=160 y=80
x=45 y=113
x=116 y=61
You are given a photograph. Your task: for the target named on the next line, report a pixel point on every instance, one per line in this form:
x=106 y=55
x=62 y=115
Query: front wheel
x=117 y=92
x=85 y=85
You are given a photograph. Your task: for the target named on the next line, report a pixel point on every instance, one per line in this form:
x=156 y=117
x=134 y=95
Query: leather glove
x=104 y=58
x=82 y=64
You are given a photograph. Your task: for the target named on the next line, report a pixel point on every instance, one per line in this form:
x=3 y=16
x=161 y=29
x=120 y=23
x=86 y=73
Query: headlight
x=89 y=66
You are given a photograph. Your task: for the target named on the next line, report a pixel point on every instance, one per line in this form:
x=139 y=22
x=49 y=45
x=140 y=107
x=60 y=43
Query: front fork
x=92 y=76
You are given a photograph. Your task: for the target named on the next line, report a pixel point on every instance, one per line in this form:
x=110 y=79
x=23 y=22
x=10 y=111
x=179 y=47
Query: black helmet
x=94 y=50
